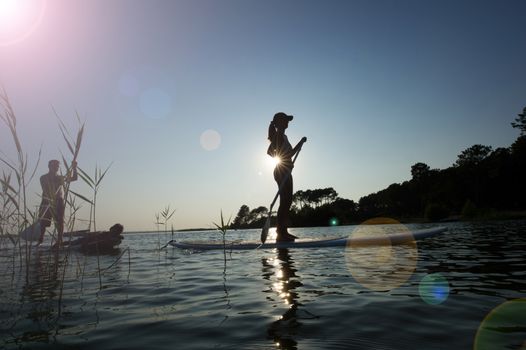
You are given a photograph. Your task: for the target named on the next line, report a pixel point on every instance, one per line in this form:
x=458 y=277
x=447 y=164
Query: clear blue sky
x=179 y=94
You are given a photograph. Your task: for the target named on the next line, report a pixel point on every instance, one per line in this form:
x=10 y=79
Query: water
x=435 y=295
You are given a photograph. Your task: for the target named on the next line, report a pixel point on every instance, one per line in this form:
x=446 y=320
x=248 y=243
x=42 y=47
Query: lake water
x=460 y=290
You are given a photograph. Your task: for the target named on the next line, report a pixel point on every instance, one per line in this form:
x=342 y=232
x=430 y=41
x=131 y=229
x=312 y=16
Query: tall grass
x=15 y=213
x=223 y=228
x=162 y=218
x=94 y=183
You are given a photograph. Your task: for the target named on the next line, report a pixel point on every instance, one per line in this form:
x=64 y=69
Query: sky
x=177 y=95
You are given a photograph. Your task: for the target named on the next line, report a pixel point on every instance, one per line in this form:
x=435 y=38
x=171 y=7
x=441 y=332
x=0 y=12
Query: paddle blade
x=264 y=231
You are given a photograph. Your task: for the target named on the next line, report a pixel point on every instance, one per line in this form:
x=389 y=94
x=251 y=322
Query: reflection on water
x=285 y=283
x=268 y=299
x=36 y=290
x=37 y=305
x=282 y=330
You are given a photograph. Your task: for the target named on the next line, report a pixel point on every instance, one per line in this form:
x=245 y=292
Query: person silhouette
x=281 y=149
x=52 y=205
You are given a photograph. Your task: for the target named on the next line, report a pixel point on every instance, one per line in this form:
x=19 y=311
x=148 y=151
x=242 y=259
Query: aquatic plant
x=165 y=214
x=94 y=183
x=15 y=213
x=223 y=228
x=162 y=218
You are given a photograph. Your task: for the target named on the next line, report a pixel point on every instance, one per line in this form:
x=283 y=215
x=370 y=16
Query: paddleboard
x=393 y=239
x=32 y=232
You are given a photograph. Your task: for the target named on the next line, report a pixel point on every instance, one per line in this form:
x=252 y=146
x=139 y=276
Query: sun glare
x=270 y=162
x=19 y=19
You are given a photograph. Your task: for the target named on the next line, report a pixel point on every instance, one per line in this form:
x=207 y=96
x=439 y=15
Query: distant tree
x=242 y=217
x=518 y=148
x=520 y=122
x=370 y=205
x=473 y=155
x=345 y=205
x=300 y=199
x=314 y=198
x=257 y=214
x=435 y=212
x=419 y=171
x=328 y=195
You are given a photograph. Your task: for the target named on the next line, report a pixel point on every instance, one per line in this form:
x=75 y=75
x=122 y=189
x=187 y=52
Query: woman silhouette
x=281 y=149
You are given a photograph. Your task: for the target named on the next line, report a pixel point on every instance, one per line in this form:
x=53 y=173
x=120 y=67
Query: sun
x=19 y=19
x=268 y=164
x=272 y=161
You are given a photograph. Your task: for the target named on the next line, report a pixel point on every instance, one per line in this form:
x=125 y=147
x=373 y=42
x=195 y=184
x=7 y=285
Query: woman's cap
x=281 y=115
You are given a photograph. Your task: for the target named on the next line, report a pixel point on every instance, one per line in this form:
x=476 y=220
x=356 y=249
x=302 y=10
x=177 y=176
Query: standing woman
x=281 y=148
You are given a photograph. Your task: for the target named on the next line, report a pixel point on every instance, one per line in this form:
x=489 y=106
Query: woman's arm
x=299 y=145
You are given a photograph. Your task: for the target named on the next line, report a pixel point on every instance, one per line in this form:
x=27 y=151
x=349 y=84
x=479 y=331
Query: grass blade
x=81 y=197
x=86 y=178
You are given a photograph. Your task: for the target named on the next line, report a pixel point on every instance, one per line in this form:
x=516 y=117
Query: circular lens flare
x=434 y=289
x=504 y=327
x=210 y=140
x=374 y=261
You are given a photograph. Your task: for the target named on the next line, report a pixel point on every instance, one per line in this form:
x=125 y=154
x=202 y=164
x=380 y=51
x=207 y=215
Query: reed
x=15 y=213
x=19 y=262
x=162 y=218
x=94 y=183
x=223 y=228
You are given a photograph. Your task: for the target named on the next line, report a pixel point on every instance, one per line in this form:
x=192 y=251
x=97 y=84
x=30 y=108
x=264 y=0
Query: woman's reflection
x=285 y=284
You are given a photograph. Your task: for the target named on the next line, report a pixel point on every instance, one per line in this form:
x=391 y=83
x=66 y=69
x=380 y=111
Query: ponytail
x=271 y=151
x=271 y=131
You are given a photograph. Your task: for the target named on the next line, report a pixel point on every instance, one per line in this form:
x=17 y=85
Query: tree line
x=482 y=181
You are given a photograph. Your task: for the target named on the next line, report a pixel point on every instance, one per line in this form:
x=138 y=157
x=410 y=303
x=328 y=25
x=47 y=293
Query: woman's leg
x=285 y=184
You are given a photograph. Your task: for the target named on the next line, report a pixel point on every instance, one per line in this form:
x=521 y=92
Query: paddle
x=266 y=227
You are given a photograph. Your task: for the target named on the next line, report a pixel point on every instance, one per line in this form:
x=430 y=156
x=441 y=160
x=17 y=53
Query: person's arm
x=298 y=146
x=73 y=176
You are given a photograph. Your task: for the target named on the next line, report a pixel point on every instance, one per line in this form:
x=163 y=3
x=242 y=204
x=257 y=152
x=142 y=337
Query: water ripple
x=266 y=299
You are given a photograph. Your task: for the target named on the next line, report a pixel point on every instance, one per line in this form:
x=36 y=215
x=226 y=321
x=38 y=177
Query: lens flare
x=19 y=19
x=210 y=140
x=434 y=289
x=504 y=327
x=380 y=265
x=334 y=221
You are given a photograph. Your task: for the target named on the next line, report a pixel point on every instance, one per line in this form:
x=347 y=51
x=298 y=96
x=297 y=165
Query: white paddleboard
x=393 y=239
x=32 y=232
